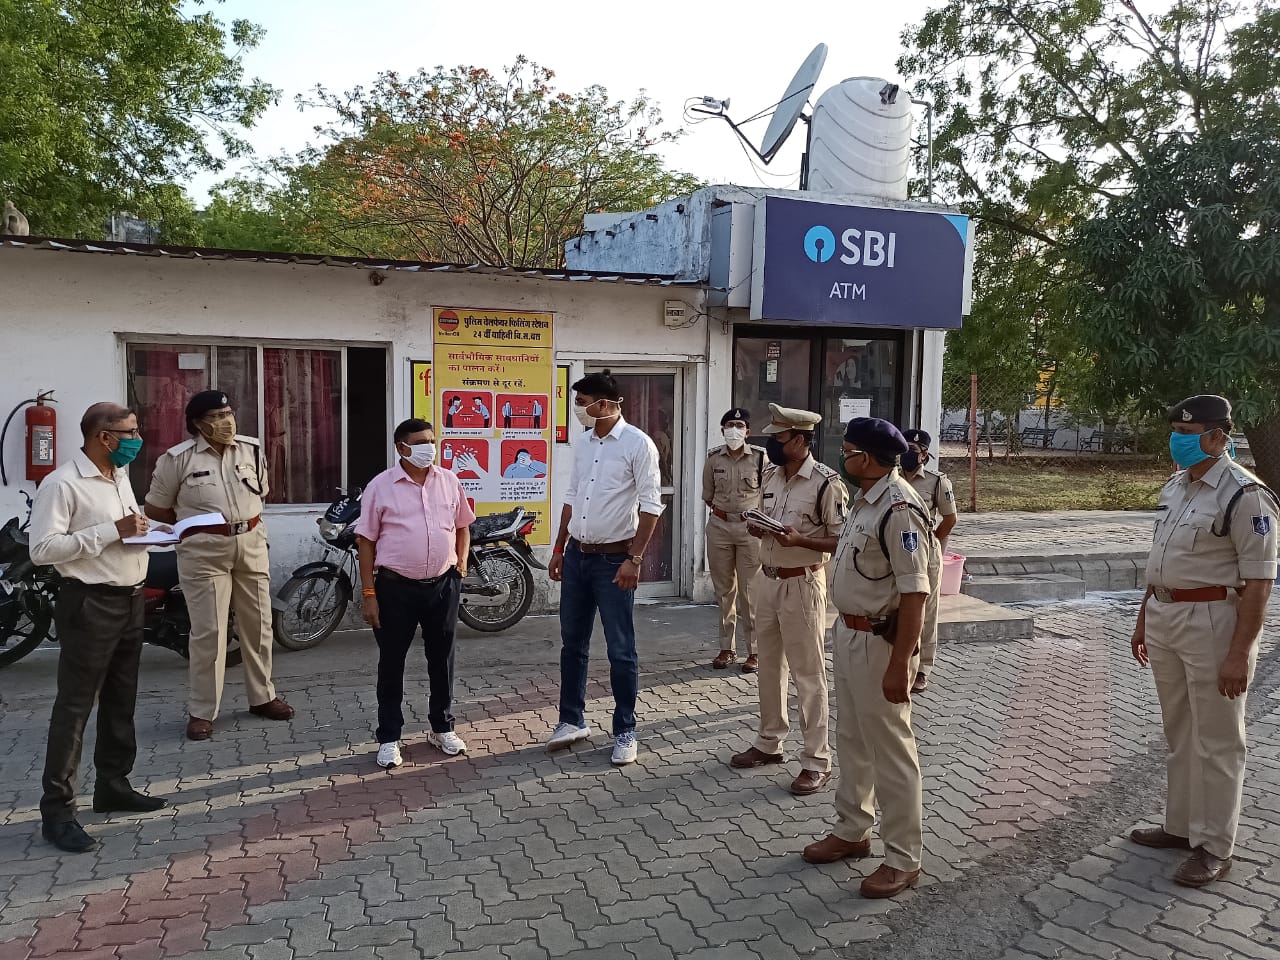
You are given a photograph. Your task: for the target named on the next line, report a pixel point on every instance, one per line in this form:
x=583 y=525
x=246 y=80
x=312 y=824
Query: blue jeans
x=587 y=586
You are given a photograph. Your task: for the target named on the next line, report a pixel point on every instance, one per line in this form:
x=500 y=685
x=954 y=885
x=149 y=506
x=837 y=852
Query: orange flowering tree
x=464 y=165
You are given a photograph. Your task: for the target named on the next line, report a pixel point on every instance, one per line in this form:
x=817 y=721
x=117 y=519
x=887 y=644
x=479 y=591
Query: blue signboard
x=861 y=266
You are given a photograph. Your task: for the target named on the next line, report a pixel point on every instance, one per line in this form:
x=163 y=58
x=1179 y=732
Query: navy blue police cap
x=737 y=413
x=1205 y=408
x=876 y=436
x=917 y=436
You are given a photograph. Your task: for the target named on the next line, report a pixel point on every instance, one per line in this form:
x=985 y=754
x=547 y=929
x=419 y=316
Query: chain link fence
x=1009 y=448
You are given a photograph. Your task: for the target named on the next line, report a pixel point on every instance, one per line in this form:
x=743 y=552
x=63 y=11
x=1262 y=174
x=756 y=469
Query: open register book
x=162 y=534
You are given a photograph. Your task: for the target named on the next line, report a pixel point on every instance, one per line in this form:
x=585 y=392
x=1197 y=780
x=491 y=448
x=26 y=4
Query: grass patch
x=1060 y=483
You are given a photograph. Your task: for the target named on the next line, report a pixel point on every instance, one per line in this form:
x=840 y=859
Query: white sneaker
x=449 y=742
x=566 y=734
x=389 y=755
x=624 y=749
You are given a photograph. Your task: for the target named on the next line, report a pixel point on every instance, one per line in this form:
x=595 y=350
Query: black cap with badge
x=736 y=413
x=1203 y=408
x=202 y=403
x=917 y=436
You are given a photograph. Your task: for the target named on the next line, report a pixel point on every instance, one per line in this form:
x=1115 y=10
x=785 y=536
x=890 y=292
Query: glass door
x=652 y=401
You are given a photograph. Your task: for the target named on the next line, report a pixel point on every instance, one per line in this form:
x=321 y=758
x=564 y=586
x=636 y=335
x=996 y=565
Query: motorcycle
x=496 y=593
x=167 y=621
x=28 y=594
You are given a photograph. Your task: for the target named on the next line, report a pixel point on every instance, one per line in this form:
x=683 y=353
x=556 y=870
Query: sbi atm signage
x=861 y=266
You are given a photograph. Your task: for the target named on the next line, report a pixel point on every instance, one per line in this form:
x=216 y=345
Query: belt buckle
x=1163 y=594
x=770 y=572
x=239 y=527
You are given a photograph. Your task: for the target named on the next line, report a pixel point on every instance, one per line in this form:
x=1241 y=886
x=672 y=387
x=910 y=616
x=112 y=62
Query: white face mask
x=586 y=419
x=734 y=437
x=421 y=455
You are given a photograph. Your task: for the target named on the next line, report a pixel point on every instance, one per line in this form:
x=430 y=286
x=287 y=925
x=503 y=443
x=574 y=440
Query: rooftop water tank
x=860 y=139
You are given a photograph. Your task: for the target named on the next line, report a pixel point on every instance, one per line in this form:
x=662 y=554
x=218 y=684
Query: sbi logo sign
x=871 y=248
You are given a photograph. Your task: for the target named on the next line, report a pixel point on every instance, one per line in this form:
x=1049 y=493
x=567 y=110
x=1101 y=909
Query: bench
x=1108 y=441
x=956 y=432
x=1038 y=435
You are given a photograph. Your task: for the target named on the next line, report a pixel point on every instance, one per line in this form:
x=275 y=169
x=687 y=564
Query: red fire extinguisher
x=42 y=438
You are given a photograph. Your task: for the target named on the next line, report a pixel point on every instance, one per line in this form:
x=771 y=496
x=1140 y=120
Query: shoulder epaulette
x=823 y=469
x=253 y=440
x=178 y=448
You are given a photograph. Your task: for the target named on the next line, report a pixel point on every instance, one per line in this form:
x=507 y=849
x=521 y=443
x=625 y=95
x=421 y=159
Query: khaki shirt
x=73 y=525
x=866 y=582
x=935 y=490
x=1186 y=550
x=795 y=503
x=192 y=479
x=732 y=483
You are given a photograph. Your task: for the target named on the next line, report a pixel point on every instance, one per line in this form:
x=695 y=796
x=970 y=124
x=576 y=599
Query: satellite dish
x=792 y=103
x=785 y=113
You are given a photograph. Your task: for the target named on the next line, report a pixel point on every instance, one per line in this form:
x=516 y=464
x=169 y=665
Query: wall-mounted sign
x=420 y=389
x=827 y=263
x=494 y=376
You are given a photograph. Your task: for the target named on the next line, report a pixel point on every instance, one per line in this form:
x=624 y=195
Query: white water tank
x=860 y=139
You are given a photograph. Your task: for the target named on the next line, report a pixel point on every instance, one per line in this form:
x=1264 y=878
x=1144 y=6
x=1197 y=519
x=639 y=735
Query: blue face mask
x=1185 y=449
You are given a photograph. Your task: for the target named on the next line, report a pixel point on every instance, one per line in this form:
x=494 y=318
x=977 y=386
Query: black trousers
x=404 y=606
x=100 y=640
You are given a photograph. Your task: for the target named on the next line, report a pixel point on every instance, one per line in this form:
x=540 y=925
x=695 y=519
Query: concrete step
x=1024 y=587
x=1117 y=570
x=965 y=619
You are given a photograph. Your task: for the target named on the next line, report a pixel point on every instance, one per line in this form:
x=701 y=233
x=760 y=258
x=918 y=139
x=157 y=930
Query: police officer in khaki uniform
x=1209 y=577
x=223 y=567
x=934 y=488
x=731 y=484
x=809 y=500
x=887 y=567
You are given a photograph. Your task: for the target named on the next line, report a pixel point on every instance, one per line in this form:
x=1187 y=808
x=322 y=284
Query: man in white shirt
x=611 y=510
x=82 y=513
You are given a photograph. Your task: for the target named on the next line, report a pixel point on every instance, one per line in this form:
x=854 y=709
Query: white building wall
x=66 y=315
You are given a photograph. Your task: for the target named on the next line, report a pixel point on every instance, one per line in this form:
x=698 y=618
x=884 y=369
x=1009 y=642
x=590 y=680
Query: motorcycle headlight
x=330 y=530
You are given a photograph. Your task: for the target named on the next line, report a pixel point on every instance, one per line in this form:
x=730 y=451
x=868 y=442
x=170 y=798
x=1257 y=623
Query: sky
x=746 y=51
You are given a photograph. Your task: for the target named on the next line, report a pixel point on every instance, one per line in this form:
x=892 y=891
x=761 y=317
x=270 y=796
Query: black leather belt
x=384 y=573
x=617 y=546
x=105 y=589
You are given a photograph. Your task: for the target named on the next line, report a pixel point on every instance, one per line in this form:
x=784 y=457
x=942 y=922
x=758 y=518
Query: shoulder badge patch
x=911 y=541
x=1262 y=525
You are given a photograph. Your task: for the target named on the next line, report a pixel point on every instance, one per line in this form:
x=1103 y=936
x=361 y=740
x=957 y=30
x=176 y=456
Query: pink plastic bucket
x=952 y=572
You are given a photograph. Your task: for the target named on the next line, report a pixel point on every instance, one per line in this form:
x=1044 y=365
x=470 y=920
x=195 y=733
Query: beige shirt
x=192 y=479
x=1186 y=550
x=732 y=483
x=73 y=525
x=795 y=503
x=868 y=582
x=935 y=490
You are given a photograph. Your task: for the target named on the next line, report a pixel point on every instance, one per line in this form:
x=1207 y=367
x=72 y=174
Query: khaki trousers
x=877 y=751
x=218 y=575
x=929 y=632
x=1187 y=643
x=733 y=556
x=790 y=624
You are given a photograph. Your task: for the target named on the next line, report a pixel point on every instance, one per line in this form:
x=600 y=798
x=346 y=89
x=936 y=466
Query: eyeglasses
x=218 y=415
x=134 y=433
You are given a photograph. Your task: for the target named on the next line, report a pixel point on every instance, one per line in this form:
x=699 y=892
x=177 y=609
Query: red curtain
x=158 y=391
x=303 y=436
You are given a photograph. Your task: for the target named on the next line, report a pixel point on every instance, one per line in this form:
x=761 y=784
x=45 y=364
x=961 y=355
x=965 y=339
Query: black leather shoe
x=126 y=801
x=69 y=836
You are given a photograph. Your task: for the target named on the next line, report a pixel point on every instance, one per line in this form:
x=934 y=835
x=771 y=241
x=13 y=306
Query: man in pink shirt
x=414 y=530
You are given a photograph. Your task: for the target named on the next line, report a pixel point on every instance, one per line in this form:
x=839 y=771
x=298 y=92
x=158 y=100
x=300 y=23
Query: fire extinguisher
x=42 y=437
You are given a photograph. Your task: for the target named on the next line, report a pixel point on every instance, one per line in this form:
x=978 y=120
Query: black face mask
x=775 y=450
x=910 y=461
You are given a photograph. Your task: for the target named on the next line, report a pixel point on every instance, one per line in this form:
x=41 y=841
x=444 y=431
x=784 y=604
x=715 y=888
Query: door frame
x=680 y=426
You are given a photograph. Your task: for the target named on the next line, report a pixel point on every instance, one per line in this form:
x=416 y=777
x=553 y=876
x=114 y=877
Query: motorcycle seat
x=162 y=570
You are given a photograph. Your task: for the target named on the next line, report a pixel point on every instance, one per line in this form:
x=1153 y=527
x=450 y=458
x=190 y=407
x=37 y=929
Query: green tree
x=1183 y=280
x=1050 y=111
x=107 y=104
x=465 y=165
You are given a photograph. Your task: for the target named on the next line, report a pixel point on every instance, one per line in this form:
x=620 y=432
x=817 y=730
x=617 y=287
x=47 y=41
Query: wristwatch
x=637 y=559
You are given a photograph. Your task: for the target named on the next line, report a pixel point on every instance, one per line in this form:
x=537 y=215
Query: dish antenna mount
x=786 y=111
